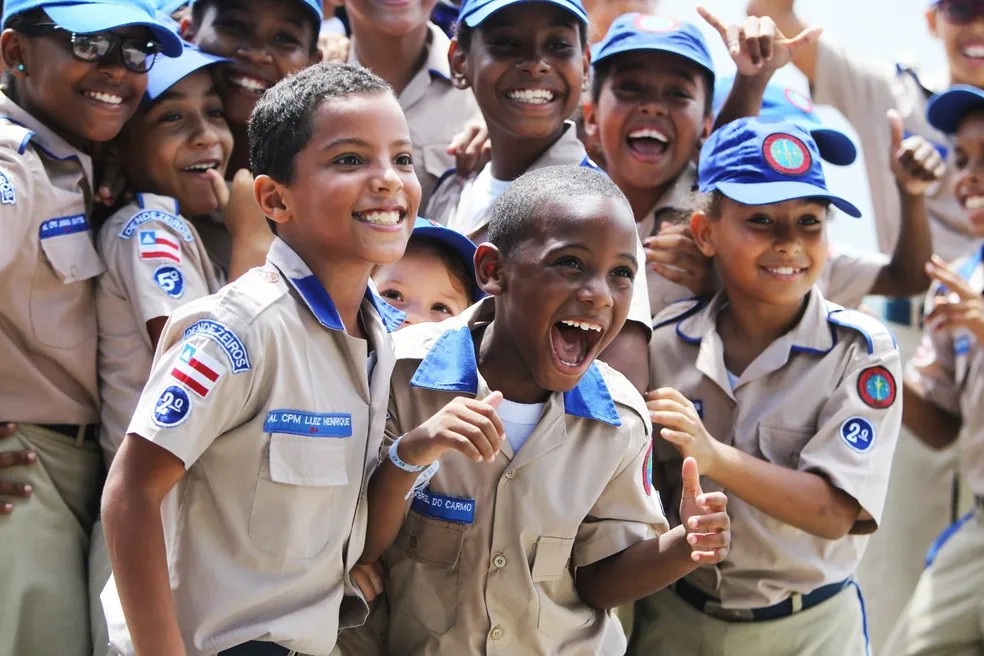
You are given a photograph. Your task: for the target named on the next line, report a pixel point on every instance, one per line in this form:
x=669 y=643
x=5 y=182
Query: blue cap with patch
x=169 y=71
x=762 y=161
x=640 y=32
x=792 y=105
x=459 y=244
x=310 y=5
x=947 y=108
x=90 y=16
x=474 y=12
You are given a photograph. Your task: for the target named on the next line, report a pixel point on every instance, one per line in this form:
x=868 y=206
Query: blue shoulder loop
x=860 y=322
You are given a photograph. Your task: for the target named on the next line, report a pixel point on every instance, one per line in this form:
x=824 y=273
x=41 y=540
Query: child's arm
x=703 y=538
x=469 y=426
x=782 y=12
x=934 y=426
x=916 y=166
x=141 y=475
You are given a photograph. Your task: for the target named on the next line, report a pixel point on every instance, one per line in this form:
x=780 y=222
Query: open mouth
x=973 y=51
x=648 y=142
x=248 y=83
x=381 y=217
x=973 y=203
x=109 y=99
x=200 y=168
x=532 y=96
x=573 y=340
x=785 y=272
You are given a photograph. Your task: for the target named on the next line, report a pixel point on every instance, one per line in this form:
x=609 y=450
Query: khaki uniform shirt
x=863 y=93
x=266 y=399
x=849 y=274
x=822 y=398
x=436 y=110
x=948 y=370
x=155 y=263
x=485 y=561
x=48 y=265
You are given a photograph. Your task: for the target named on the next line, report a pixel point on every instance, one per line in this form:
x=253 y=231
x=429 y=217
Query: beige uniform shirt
x=822 y=398
x=436 y=110
x=863 y=92
x=485 y=561
x=948 y=369
x=849 y=274
x=266 y=399
x=155 y=263
x=48 y=264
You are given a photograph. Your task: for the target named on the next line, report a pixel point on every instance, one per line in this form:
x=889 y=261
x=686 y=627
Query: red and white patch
x=159 y=245
x=647 y=471
x=652 y=24
x=197 y=370
x=799 y=101
x=786 y=154
x=876 y=387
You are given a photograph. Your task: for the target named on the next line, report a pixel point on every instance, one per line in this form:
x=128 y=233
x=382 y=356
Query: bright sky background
x=869 y=31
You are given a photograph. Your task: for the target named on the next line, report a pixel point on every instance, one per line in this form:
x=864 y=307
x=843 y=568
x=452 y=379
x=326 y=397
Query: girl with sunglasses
x=76 y=71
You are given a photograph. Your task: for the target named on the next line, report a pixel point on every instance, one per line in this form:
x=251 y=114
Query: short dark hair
x=461 y=276
x=464 y=34
x=198 y=8
x=514 y=212
x=281 y=123
x=601 y=72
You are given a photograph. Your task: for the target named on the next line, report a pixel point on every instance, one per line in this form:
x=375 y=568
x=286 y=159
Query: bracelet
x=395 y=459
x=424 y=478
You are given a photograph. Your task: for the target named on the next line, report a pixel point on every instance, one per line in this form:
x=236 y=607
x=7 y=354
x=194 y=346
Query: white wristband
x=395 y=458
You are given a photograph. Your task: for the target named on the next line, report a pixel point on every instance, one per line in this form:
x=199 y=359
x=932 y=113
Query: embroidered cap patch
x=786 y=154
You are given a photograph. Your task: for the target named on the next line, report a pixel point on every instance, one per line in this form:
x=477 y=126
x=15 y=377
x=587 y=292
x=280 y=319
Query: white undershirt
x=519 y=420
x=483 y=192
x=732 y=379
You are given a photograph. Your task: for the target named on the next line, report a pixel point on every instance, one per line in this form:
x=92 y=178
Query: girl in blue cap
x=76 y=73
x=788 y=403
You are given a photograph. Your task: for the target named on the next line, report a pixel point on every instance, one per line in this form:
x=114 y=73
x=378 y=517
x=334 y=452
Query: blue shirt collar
x=316 y=297
x=451 y=366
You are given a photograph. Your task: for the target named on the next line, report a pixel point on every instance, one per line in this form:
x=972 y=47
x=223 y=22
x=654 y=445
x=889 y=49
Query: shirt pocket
x=559 y=607
x=423 y=571
x=782 y=445
x=62 y=314
x=300 y=494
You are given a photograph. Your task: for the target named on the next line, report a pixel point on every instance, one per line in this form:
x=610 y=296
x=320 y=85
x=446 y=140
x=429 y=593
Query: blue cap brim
x=90 y=18
x=169 y=71
x=768 y=193
x=462 y=246
x=476 y=18
x=834 y=146
x=947 y=109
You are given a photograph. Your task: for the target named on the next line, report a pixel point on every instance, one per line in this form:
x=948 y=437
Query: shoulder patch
x=8 y=195
x=647 y=470
x=159 y=245
x=226 y=338
x=197 y=370
x=858 y=434
x=876 y=387
x=170 y=280
x=172 y=408
x=879 y=338
x=175 y=223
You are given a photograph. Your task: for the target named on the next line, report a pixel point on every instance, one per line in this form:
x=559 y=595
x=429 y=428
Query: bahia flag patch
x=159 y=245
x=197 y=370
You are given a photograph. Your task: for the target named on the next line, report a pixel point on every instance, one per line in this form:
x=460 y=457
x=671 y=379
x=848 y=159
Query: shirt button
x=496 y=633
x=511 y=474
x=499 y=561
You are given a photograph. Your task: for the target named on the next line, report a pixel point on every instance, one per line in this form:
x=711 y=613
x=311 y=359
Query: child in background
x=74 y=73
x=942 y=393
x=787 y=403
x=435 y=278
x=265 y=408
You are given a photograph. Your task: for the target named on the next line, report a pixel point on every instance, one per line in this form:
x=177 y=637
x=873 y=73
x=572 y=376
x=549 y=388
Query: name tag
x=309 y=424
x=65 y=225
x=439 y=506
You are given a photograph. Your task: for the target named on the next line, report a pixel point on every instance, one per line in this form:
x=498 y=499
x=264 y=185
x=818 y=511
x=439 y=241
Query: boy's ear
x=931 y=17
x=12 y=53
x=702 y=228
x=705 y=132
x=458 y=62
x=590 y=118
x=271 y=196
x=187 y=29
x=488 y=269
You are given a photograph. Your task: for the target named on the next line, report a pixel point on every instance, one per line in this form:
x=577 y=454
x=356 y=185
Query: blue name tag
x=65 y=225
x=438 y=506
x=309 y=424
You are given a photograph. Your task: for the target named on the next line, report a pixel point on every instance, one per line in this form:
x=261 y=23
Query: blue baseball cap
x=634 y=32
x=790 y=104
x=474 y=12
x=459 y=244
x=311 y=5
x=169 y=71
x=89 y=16
x=761 y=161
x=170 y=6
x=947 y=108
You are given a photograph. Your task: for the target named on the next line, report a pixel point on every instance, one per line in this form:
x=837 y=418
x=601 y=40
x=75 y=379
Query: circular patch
x=170 y=280
x=858 y=433
x=172 y=407
x=786 y=154
x=799 y=101
x=876 y=387
x=647 y=471
x=270 y=276
x=649 y=23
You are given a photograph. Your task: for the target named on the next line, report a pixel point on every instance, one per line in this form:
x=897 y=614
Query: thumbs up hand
x=705 y=518
x=915 y=162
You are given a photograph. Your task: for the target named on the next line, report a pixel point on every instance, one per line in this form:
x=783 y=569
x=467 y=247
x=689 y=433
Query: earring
x=21 y=68
x=459 y=82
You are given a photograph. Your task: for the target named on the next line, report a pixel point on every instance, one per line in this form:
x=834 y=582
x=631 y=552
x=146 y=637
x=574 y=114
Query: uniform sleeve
x=858 y=427
x=639 y=309
x=18 y=177
x=932 y=370
x=850 y=275
x=199 y=386
x=629 y=510
x=862 y=91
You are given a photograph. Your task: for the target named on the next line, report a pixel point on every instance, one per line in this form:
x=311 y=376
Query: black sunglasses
x=138 y=54
x=961 y=12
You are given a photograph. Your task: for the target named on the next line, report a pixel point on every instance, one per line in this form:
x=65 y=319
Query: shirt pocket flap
x=72 y=254
x=314 y=461
x=551 y=559
x=431 y=541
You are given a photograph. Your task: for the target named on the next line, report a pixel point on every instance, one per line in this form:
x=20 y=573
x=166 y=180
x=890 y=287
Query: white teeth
x=783 y=271
x=251 y=83
x=569 y=364
x=200 y=167
x=974 y=202
x=645 y=133
x=107 y=98
x=974 y=52
x=583 y=325
x=381 y=218
x=532 y=96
